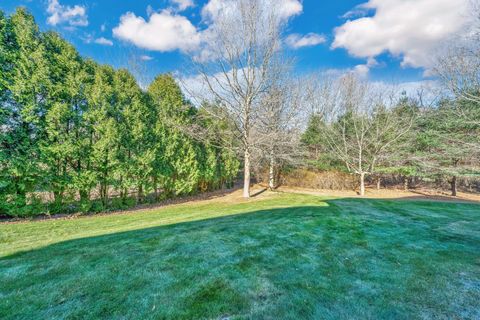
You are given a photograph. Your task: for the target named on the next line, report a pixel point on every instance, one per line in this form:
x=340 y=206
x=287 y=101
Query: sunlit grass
x=282 y=257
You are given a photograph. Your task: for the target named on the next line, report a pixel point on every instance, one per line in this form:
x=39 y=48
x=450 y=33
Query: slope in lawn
x=284 y=257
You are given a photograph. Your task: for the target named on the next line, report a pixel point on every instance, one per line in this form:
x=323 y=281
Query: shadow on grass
x=351 y=258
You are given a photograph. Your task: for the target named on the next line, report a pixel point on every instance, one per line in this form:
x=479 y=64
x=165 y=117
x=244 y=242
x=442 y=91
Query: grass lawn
x=282 y=256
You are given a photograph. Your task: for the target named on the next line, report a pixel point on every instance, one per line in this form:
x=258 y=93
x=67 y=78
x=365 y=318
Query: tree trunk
x=84 y=195
x=362 y=184
x=271 y=174
x=155 y=187
x=453 y=184
x=58 y=197
x=405 y=183
x=379 y=183
x=140 y=194
x=246 y=175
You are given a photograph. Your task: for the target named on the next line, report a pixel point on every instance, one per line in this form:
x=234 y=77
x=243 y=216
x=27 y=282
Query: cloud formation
x=145 y=57
x=285 y=8
x=103 y=41
x=164 y=31
x=167 y=30
x=75 y=16
x=182 y=5
x=297 y=41
x=411 y=29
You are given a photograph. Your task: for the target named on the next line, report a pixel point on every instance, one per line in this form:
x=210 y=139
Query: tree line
x=79 y=136
x=352 y=125
x=362 y=130
x=88 y=135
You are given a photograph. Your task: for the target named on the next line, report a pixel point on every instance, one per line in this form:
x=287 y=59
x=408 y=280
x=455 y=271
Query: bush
x=331 y=180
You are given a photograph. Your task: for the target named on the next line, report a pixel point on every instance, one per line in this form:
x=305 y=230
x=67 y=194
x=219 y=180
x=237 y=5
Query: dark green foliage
x=25 y=106
x=447 y=141
x=78 y=136
x=314 y=140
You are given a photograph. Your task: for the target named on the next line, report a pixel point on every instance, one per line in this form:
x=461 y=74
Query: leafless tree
x=360 y=128
x=239 y=65
x=278 y=129
x=458 y=67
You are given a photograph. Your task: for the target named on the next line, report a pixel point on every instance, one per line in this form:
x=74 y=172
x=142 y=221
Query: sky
x=381 y=40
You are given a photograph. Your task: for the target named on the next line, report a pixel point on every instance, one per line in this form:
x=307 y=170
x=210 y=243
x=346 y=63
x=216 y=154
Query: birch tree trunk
x=246 y=174
x=362 y=183
x=271 y=173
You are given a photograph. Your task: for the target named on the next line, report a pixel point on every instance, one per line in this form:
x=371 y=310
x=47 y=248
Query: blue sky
x=384 y=40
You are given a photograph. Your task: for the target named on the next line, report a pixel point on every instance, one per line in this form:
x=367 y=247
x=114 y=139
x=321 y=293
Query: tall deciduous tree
x=240 y=64
x=277 y=131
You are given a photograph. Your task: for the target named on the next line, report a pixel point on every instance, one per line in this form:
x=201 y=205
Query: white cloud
x=411 y=29
x=225 y=15
x=183 y=4
x=285 y=8
x=104 y=41
x=168 y=31
x=362 y=70
x=164 y=31
x=427 y=90
x=146 y=57
x=297 y=41
x=289 y=8
x=198 y=91
x=75 y=16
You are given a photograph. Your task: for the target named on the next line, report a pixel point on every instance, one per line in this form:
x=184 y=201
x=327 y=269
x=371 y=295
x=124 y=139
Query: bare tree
x=459 y=72
x=361 y=129
x=239 y=65
x=278 y=130
x=459 y=66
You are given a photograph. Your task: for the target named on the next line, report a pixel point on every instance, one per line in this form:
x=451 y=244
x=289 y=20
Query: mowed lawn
x=281 y=256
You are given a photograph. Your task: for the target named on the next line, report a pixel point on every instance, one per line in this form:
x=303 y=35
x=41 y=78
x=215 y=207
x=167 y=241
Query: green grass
x=283 y=257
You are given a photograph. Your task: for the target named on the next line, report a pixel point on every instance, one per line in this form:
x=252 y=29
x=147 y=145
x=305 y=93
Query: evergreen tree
x=103 y=119
x=61 y=153
x=27 y=105
x=136 y=156
x=176 y=163
x=445 y=140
